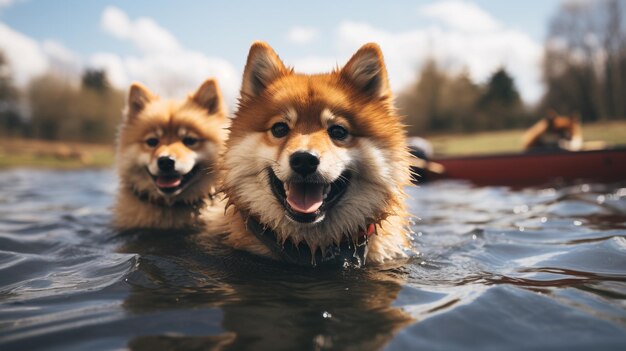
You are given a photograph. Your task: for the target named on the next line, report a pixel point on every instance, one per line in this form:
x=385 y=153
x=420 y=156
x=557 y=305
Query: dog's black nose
x=166 y=163
x=304 y=163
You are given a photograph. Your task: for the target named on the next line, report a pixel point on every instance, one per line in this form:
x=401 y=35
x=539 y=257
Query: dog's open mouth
x=308 y=202
x=170 y=183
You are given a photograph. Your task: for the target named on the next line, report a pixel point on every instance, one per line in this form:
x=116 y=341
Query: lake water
x=541 y=268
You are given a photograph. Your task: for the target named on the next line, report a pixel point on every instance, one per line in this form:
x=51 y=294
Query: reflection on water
x=499 y=268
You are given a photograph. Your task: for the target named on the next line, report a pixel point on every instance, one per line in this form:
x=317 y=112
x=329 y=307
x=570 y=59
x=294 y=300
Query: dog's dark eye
x=190 y=141
x=280 y=129
x=152 y=142
x=337 y=132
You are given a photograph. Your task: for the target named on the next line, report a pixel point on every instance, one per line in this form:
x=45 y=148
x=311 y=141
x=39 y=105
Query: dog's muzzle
x=306 y=200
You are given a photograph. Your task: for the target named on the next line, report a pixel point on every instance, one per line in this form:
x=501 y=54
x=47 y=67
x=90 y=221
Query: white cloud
x=302 y=35
x=314 y=64
x=24 y=55
x=59 y=52
x=62 y=60
x=29 y=58
x=163 y=64
x=460 y=15
x=115 y=22
x=464 y=38
x=481 y=52
x=145 y=33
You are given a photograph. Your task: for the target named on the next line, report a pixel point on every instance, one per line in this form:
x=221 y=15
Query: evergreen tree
x=501 y=90
x=95 y=79
x=500 y=106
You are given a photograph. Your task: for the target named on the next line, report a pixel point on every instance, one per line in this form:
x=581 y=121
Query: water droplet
x=544 y=219
x=520 y=209
x=326 y=315
x=473 y=236
x=578 y=223
x=600 y=199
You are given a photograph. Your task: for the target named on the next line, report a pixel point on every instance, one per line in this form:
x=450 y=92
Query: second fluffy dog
x=167 y=152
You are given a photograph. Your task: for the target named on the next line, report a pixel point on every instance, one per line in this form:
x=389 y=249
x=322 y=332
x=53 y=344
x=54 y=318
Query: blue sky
x=173 y=46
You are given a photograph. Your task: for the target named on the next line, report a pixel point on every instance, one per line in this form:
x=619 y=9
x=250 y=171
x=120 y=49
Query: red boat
x=533 y=168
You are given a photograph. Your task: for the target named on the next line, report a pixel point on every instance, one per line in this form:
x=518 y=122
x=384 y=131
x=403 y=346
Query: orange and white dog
x=554 y=132
x=167 y=151
x=316 y=165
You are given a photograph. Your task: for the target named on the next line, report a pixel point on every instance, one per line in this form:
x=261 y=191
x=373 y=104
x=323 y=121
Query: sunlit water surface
x=541 y=268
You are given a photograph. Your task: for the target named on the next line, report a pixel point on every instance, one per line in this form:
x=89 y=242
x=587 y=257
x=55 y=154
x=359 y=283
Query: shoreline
x=54 y=154
x=49 y=154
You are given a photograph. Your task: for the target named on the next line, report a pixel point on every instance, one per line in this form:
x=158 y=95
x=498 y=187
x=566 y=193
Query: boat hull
x=537 y=168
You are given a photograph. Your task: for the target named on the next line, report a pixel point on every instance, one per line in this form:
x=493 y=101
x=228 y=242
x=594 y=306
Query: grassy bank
x=610 y=133
x=62 y=155
x=54 y=154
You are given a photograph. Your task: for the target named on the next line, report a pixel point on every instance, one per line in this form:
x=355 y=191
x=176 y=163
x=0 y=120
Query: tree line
x=584 y=74
x=585 y=60
x=52 y=107
x=439 y=101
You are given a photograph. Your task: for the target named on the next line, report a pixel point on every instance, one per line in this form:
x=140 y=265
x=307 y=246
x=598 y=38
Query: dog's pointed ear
x=138 y=97
x=262 y=68
x=209 y=97
x=367 y=73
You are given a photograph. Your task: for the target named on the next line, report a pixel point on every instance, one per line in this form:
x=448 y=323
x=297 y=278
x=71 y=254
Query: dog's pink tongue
x=305 y=198
x=168 y=181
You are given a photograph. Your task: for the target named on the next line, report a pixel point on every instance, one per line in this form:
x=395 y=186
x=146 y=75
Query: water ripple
x=499 y=268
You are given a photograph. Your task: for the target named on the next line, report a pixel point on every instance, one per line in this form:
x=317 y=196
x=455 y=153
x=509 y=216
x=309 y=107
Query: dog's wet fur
x=317 y=160
x=167 y=155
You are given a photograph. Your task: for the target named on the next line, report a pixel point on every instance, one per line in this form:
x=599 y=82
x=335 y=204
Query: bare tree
x=62 y=111
x=421 y=102
x=585 y=60
x=440 y=101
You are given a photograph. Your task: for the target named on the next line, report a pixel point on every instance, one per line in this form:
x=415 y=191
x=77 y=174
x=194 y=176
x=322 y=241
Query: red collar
x=347 y=252
x=371 y=230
